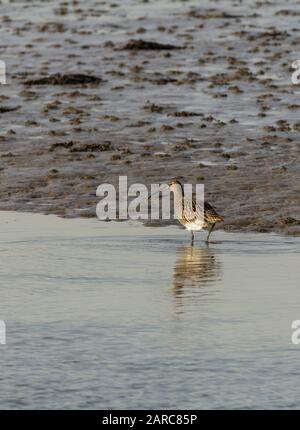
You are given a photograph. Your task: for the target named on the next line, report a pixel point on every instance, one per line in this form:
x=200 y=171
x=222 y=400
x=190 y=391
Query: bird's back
x=210 y=215
x=194 y=213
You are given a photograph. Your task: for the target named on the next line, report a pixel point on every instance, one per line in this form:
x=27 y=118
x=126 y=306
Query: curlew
x=189 y=213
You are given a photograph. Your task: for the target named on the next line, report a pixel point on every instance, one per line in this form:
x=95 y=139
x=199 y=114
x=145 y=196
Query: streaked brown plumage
x=190 y=214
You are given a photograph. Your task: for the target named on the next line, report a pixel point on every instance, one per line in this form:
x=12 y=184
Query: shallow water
x=117 y=315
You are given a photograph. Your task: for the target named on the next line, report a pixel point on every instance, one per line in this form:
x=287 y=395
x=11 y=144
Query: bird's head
x=174 y=184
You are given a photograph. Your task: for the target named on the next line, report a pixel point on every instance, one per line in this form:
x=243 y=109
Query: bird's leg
x=209 y=232
x=192 y=237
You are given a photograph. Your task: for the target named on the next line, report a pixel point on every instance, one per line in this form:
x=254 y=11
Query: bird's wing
x=193 y=212
x=210 y=215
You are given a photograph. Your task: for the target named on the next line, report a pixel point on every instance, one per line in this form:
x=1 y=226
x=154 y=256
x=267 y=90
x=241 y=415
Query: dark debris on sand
x=65 y=79
x=92 y=147
x=288 y=221
x=4 y=109
x=140 y=44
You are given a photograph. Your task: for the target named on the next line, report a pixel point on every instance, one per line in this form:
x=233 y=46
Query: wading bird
x=189 y=213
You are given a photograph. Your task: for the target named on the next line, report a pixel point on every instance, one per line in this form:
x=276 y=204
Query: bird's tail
x=210 y=215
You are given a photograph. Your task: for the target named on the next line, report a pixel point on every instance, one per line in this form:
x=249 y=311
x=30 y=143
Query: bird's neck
x=178 y=201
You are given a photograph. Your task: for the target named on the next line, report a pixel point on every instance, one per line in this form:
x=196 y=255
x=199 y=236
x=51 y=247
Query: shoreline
x=160 y=224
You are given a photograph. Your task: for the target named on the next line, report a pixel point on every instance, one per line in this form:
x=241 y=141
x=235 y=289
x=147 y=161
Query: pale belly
x=193 y=226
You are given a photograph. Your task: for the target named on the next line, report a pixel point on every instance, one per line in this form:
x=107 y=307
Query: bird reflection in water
x=194 y=269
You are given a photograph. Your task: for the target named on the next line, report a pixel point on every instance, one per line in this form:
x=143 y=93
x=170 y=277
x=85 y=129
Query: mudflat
x=152 y=90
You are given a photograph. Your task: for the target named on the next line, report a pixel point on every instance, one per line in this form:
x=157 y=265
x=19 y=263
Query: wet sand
x=211 y=100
